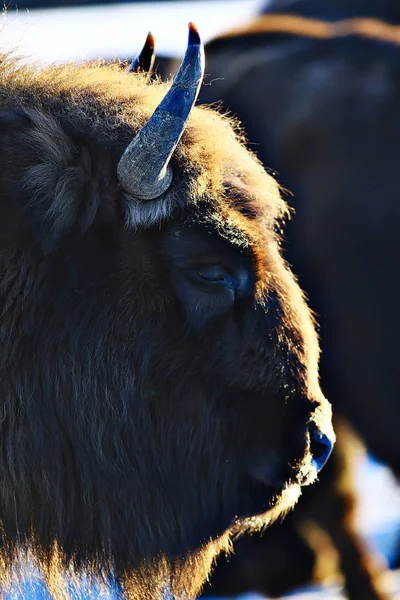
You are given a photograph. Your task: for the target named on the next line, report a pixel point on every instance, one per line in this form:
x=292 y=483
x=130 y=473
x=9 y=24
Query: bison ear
x=48 y=176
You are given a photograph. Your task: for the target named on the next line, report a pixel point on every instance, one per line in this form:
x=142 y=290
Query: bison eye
x=220 y=279
x=215 y=274
x=209 y=289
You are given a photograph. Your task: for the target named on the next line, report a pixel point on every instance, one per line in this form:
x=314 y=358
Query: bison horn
x=144 y=61
x=143 y=170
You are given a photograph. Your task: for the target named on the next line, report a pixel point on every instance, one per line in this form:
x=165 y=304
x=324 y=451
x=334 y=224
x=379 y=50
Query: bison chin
x=262 y=502
x=257 y=505
x=186 y=575
x=261 y=512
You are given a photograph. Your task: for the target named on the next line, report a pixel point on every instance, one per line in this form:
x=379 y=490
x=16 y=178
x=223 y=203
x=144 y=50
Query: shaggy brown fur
x=148 y=411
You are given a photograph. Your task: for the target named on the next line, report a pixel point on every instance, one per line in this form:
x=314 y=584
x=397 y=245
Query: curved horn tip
x=150 y=42
x=194 y=36
x=145 y=59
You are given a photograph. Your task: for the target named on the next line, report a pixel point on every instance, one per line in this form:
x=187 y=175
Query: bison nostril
x=320 y=447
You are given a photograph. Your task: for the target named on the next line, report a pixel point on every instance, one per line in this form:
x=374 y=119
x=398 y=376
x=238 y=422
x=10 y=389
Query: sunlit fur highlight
x=316 y=28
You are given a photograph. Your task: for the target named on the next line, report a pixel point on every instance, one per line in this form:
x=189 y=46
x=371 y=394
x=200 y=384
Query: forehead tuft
x=103 y=102
x=227 y=171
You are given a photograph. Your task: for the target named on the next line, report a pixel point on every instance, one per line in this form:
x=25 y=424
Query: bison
x=319 y=99
x=159 y=364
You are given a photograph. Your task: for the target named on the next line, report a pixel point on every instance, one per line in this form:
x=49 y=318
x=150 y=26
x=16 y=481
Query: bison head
x=159 y=366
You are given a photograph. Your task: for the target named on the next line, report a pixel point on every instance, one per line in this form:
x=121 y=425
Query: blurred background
x=316 y=85
x=72 y=30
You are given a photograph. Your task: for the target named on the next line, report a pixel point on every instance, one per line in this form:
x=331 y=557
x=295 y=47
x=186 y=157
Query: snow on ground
x=379 y=511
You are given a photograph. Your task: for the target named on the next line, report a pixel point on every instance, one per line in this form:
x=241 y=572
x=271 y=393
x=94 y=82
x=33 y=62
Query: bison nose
x=320 y=447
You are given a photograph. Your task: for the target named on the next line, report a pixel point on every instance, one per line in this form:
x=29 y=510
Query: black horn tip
x=144 y=60
x=194 y=37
